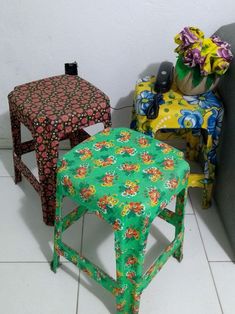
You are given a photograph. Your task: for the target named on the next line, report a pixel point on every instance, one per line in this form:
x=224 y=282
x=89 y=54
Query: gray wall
x=225 y=179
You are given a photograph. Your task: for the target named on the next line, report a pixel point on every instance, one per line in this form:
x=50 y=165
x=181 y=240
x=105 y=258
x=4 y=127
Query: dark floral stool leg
x=179 y=228
x=130 y=246
x=16 y=137
x=47 y=156
x=107 y=123
x=78 y=137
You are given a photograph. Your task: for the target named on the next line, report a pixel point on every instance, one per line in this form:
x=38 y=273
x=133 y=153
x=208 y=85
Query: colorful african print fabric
x=185 y=113
x=127 y=179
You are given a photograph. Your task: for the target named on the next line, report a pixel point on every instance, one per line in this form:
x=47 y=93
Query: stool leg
x=16 y=137
x=107 y=123
x=129 y=267
x=192 y=147
x=57 y=231
x=179 y=229
x=78 y=137
x=47 y=162
x=209 y=173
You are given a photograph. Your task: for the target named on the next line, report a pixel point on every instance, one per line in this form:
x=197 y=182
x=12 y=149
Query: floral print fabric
x=127 y=179
x=53 y=109
x=178 y=111
x=122 y=169
x=211 y=55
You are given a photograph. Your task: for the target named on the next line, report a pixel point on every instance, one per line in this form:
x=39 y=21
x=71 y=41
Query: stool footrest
x=107 y=281
x=161 y=260
x=72 y=217
x=27 y=173
x=170 y=217
x=27 y=147
x=196 y=180
x=89 y=268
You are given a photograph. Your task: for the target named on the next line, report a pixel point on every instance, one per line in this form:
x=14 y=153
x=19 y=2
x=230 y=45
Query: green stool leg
x=57 y=231
x=129 y=268
x=179 y=229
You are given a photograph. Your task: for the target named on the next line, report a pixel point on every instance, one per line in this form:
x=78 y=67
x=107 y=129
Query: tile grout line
x=232 y=261
x=6 y=176
x=79 y=274
x=191 y=203
x=213 y=279
x=30 y=262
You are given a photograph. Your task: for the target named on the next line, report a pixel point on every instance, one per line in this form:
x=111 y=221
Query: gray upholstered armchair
x=225 y=178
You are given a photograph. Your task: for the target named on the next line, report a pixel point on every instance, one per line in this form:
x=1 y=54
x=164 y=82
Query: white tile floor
x=203 y=283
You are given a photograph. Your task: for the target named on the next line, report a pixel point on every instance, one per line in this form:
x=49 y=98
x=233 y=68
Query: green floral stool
x=127 y=179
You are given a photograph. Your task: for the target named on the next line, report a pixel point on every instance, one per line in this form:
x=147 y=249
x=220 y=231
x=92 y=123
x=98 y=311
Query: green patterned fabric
x=127 y=179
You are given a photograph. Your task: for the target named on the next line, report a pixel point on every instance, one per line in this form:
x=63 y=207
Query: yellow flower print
x=150 y=270
x=131 y=275
x=108 y=179
x=88 y=272
x=165 y=148
x=105 y=162
x=81 y=172
x=136 y=297
x=84 y=153
x=172 y=184
x=154 y=196
x=126 y=150
x=143 y=142
x=134 y=207
x=103 y=145
x=87 y=192
x=117 y=225
x=63 y=166
x=128 y=167
x=132 y=260
x=119 y=290
x=124 y=137
x=120 y=306
x=132 y=233
x=169 y=164
x=154 y=173
x=68 y=183
x=74 y=260
x=131 y=188
x=106 y=132
x=106 y=202
x=146 y=158
x=180 y=154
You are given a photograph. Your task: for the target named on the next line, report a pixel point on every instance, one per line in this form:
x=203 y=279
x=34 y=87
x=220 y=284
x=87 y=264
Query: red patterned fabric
x=53 y=109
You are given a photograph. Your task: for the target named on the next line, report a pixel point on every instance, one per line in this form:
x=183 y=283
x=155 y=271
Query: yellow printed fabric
x=178 y=111
x=175 y=109
x=211 y=55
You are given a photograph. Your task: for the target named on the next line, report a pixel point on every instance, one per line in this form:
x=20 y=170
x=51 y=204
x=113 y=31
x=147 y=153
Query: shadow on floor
x=211 y=218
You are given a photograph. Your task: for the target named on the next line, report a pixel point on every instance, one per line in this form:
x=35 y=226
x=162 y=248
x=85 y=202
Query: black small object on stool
x=71 y=68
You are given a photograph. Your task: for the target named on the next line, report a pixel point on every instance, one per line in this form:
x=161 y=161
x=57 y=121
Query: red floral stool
x=53 y=109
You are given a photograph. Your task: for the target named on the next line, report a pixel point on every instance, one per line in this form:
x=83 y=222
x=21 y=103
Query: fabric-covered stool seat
x=53 y=109
x=127 y=179
x=197 y=118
